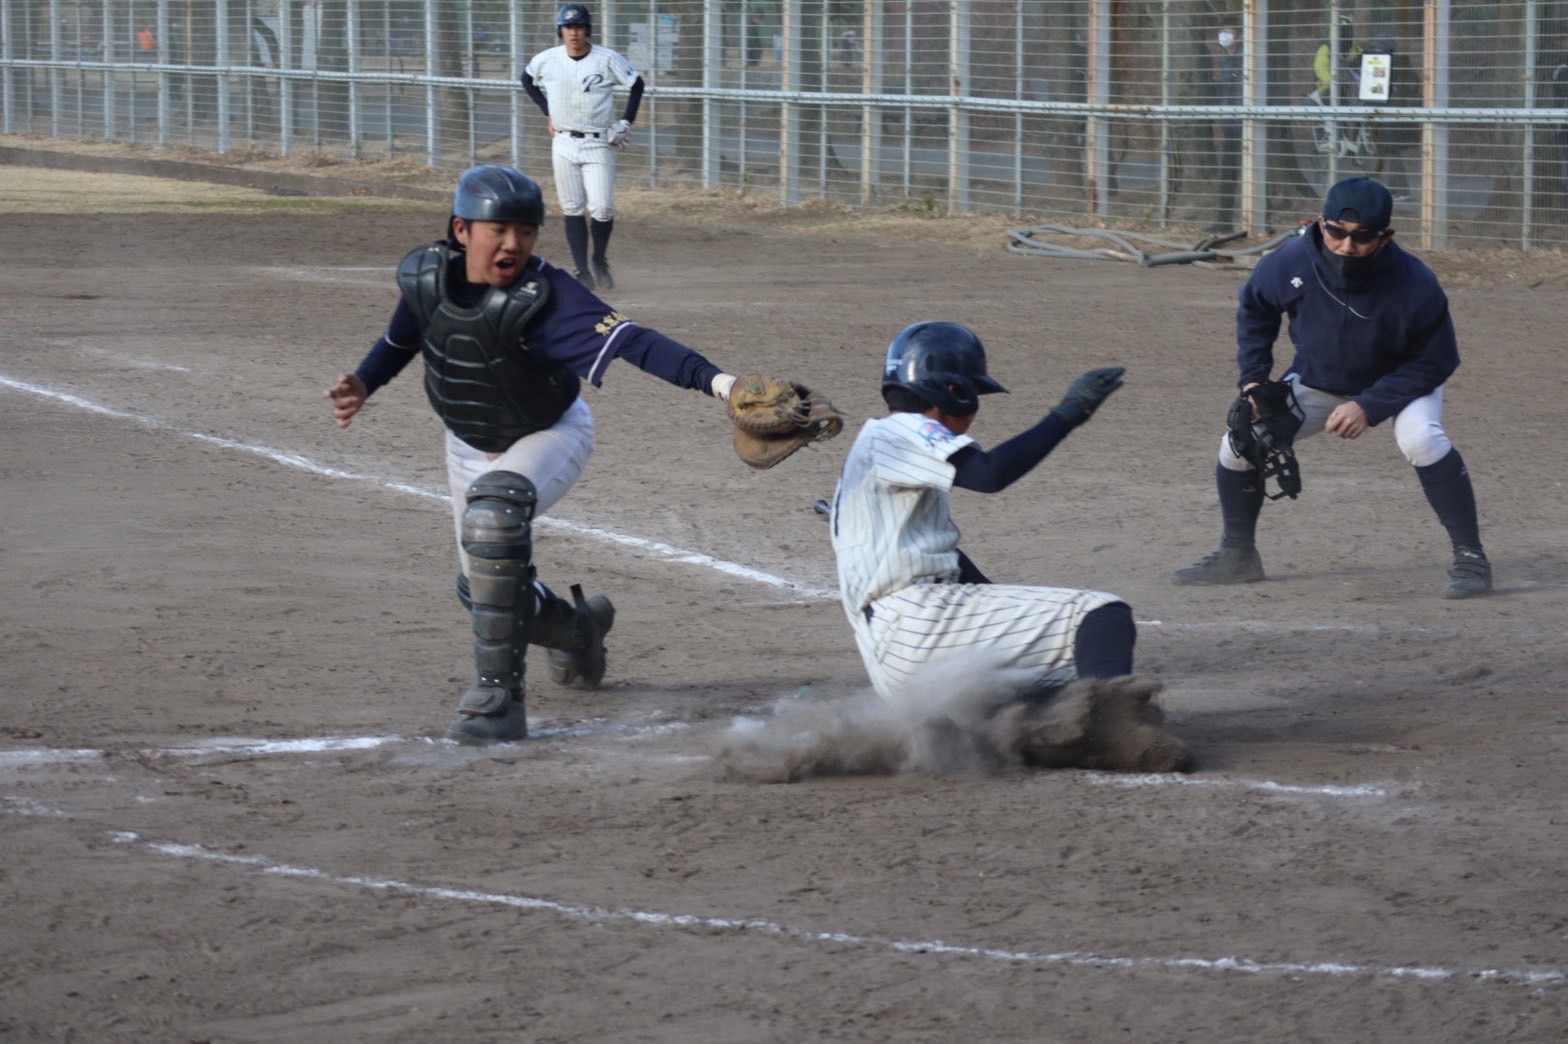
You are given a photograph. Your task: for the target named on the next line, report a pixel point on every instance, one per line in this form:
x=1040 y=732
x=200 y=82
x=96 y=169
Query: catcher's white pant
x=553 y=460
x=584 y=175
x=1418 y=428
x=1028 y=628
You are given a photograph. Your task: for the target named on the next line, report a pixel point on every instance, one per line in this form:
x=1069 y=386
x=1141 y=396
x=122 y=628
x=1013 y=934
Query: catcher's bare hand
x=774 y=417
x=348 y=396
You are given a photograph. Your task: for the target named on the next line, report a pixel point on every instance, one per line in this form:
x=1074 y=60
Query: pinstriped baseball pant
x=584 y=176
x=1029 y=628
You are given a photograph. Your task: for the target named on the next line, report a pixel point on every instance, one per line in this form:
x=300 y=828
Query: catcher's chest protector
x=481 y=379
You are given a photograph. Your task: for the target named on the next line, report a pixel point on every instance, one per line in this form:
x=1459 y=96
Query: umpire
x=1373 y=341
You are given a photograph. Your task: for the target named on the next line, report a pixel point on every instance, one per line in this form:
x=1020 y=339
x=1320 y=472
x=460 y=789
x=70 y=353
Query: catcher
x=507 y=340
x=914 y=599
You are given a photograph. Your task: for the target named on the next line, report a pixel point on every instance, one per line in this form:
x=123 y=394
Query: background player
x=910 y=594
x=573 y=85
x=1373 y=340
x=518 y=434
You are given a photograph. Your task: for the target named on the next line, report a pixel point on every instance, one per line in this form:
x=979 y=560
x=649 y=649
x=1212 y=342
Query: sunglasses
x=1360 y=235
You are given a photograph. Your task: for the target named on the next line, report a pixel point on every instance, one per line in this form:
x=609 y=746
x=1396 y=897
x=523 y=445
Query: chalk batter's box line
x=657 y=549
x=1536 y=977
x=233 y=748
x=805 y=592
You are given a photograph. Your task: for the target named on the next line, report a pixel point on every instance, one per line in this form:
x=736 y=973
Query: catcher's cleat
x=1223 y=565
x=1470 y=575
x=506 y=725
x=601 y=274
x=585 y=664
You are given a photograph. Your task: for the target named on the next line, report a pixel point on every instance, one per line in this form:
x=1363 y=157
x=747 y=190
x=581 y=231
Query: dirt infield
x=231 y=649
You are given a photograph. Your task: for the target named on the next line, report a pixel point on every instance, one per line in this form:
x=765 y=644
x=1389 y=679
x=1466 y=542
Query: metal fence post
x=432 y=134
x=1434 y=137
x=1097 y=143
x=165 y=116
x=286 y=63
x=108 y=74
x=712 y=70
x=1532 y=14
x=8 y=74
x=1254 y=134
x=355 y=60
x=514 y=34
x=56 y=88
x=789 y=110
x=958 y=117
x=870 y=116
x=222 y=57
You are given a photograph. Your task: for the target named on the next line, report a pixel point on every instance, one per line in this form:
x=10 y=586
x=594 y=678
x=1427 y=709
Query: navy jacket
x=1384 y=341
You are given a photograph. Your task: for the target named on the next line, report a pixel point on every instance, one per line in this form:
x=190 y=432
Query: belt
x=585 y=134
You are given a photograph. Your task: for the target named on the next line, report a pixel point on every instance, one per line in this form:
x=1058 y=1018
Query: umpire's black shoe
x=1470 y=576
x=1223 y=565
x=601 y=274
x=586 y=279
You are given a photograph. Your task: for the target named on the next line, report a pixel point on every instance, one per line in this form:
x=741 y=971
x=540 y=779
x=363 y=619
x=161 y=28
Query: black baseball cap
x=1361 y=200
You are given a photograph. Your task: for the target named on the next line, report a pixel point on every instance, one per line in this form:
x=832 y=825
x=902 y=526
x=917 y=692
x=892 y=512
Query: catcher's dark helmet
x=495 y=193
x=943 y=363
x=572 y=14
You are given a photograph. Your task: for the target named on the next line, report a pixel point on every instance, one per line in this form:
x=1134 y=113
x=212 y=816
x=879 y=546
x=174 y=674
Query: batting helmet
x=572 y=14
x=495 y=193
x=943 y=363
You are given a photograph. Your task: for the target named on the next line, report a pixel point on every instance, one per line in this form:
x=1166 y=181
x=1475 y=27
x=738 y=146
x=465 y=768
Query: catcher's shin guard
x=574 y=633
x=498 y=538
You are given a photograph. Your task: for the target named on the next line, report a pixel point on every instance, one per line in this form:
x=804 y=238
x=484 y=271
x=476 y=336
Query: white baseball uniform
x=898 y=567
x=580 y=92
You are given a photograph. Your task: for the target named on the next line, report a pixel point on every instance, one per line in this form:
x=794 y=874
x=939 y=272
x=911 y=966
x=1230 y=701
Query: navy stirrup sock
x=1448 y=489
x=1241 y=501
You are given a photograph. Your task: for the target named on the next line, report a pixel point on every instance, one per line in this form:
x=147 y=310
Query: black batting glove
x=1086 y=394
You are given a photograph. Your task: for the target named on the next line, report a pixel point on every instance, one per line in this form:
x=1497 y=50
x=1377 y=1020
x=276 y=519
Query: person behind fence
x=1397 y=142
x=507 y=341
x=1373 y=342
x=1229 y=79
x=1324 y=69
x=1555 y=95
x=573 y=84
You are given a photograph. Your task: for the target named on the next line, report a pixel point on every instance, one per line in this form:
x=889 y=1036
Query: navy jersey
x=575 y=329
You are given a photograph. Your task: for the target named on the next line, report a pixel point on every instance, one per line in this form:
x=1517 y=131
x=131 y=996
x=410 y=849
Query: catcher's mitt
x=774 y=417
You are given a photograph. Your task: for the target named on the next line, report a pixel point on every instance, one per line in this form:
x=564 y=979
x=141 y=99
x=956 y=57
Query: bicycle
x=1346 y=147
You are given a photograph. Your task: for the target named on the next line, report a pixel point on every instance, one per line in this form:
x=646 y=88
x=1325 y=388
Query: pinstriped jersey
x=891 y=523
x=580 y=90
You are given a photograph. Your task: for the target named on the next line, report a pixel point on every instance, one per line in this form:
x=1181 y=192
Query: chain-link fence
x=1150 y=113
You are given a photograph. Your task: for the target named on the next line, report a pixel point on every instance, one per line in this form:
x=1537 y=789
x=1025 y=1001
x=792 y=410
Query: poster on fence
x=657 y=55
x=1376 y=74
